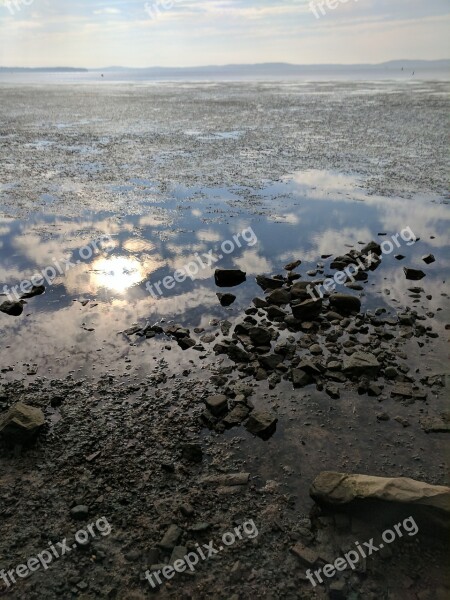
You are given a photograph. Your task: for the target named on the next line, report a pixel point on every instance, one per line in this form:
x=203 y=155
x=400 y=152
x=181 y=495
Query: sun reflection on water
x=117 y=273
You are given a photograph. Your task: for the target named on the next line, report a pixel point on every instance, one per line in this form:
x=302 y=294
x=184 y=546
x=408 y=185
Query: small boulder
x=14 y=309
x=226 y=299
x=414 y=274
x=361 y=363
x=217 y=404
x=229 y=277
x=345 y=303
x=21 y=422
x=428 y=259
x=261 y=423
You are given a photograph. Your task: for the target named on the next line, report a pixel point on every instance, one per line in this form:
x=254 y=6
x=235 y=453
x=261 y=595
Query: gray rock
x=306 y=310
x=269 y=283
x=292 y=265
x=171 y=537
x=79 y=512
x=260 y=336
x=279 y=297
x=217 y=404
x=300 y=378
x=261 y=423
x=360 y=363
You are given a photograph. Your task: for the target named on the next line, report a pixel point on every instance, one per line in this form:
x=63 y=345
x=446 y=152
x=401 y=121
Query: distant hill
x=249 y=69
x=42 y=70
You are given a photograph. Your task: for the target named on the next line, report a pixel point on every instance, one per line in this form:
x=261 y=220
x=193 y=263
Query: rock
x=307 y=310
x=360 y=363
x=236 y=416
x=300 y=378
x=192 y=452
x=337 y=489
x=187 y=510
x=414 y=274
x=338 y=590
x=237 y=354
x=399 y=256
x=269 y=283
x=383 y=416
x=260 y=303
x=345 y=303
x=185 y=343
x=301 y=290
x=261 y=423
x=307 y=556
x=21 y=423
x=332 y=391
x=229 y=277
x=36 y=290
x=428 y=259
x=217 y=404
x=14 y=309
x=170 y=539
x=79 y=512
x=315 y=349
x=279 y=297
x=226 y=299
x=402 y=421
x=270 y=361
x=276 y=313
x=436 y=424
x=402 y=389
x=391 y=372
x=260 y=336
x=292 y=265
x=373 y=247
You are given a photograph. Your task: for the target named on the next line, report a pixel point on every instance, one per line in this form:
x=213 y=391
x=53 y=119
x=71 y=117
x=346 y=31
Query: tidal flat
x=128 y=381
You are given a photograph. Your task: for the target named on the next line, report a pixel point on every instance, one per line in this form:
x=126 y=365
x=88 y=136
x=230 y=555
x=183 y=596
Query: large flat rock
x=337 y=489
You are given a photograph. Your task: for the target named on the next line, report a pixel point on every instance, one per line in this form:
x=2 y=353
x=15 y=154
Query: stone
x=373 y=247
x=259 y=302
x=279 y=297
x=36 y=290
x=226 y=299
x=261 y=423
x=185 y=343
x=275 y=313
x=391 y=372
x=360 y=363
x=436 y=424
x=402 y=389
x=14 y=309
x=306 y=555
x=79 y=512
x=21 y=423
x=414 y=274
x=229 y=277
x=217 y=404
x=301 y=290
x=332 y=391
x=292 y=265
x=269 y=283
x=260 y=336
x=345 y=303
x=306 y=310
x=338 y=489
x=428 y=259
x=236 y=416
x=170 y=538
x=300 y=378
x=269 y=362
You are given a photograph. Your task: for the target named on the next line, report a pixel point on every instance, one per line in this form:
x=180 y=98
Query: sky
x=144 y=33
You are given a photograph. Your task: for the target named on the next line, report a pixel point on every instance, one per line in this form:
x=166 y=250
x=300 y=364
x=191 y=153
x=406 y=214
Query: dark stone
x=293 y=265
x=279 y=297
x=300 y=378
x=306 y=310
x=36 y=290
x=428 y=259
x=14 y=309
x=269 y=283
x=414 y=274
x=217 y=404
x=261 y=423
x=229 y=277
x=185 y=343
x=79 y=512
x=260 y=336
x=226 y=299
x=373 y=247
x=345 y=303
